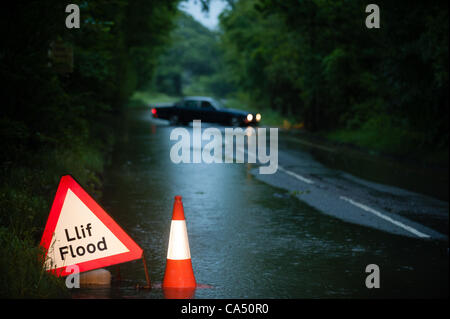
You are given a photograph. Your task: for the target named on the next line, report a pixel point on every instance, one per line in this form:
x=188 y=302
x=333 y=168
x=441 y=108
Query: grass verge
x=380 y=136
x=27 y=188
x=144 y=99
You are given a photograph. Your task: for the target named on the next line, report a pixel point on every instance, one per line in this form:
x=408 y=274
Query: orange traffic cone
x=179 y=293
x=179 y=272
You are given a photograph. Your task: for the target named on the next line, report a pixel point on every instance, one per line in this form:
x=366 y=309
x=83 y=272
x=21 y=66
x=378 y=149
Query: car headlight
x=258 y=117
x=249 y=117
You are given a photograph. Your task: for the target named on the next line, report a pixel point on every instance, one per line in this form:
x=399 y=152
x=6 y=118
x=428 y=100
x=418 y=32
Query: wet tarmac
x=250 y=239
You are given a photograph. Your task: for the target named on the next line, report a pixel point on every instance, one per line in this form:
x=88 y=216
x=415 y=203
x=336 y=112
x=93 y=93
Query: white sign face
x=80 y=236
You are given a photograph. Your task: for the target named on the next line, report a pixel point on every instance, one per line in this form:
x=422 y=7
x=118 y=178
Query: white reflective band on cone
x=178 y=241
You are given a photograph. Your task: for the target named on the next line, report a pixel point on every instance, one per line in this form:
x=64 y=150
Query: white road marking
x=297 y=176
x=362 y=206
x=389 y=219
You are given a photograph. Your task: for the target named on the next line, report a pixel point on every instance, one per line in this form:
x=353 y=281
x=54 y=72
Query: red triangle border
x=68 y=182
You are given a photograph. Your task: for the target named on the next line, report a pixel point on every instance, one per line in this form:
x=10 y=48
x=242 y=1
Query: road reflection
x=248 y=239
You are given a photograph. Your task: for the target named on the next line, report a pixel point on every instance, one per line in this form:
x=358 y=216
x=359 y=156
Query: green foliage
x=315 y=61
x=25 y=198
x=381 y=134
x=54 y=124
x=192 y=64
x=259 y=53
x=145 y=99
x=21 y=273
x=270 y=117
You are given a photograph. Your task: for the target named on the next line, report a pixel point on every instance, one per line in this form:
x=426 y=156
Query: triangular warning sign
x=79 y=232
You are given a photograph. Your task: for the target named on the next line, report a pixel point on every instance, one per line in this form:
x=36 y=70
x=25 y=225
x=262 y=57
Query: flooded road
x=249 y=239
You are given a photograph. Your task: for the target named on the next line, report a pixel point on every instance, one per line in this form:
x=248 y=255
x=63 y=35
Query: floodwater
x=248 y=239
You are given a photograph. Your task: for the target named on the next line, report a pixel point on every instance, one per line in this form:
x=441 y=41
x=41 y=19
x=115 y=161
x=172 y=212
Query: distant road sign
x=61 y=56
x=79 y=232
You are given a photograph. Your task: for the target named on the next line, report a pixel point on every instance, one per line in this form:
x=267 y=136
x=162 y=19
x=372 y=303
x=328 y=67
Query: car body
x=205 y=109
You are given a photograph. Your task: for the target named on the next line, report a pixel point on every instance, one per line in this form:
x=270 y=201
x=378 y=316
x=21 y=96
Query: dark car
x=205 y=109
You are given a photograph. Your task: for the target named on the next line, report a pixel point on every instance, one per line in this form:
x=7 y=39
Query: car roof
x=199 y=98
